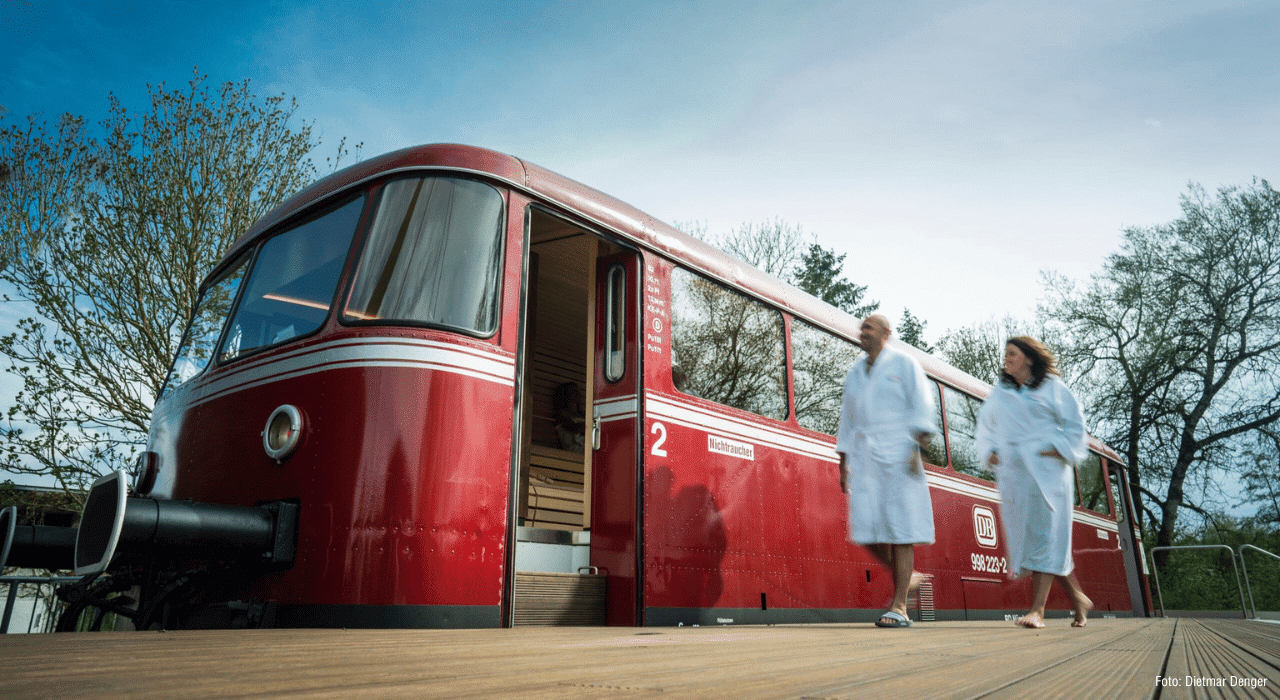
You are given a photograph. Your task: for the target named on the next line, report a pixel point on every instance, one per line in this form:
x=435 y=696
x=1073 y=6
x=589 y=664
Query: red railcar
x=446 y=387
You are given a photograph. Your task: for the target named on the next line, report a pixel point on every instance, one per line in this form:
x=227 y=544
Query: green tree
x=979 y=349
x=911 y=331
x=1177 y=340
x=735 y=351
x=1206 y=579
x=784 y=251
x=820 y=274
x=773 y=247
x=106 y=240
x=1261 y=465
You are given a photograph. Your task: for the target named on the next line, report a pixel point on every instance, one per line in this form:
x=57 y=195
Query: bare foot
x=913 y=589
x=1082 y=607
x=1030 y=621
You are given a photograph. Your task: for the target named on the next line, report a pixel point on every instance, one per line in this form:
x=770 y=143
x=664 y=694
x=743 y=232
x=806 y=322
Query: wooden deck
x=1111 y=658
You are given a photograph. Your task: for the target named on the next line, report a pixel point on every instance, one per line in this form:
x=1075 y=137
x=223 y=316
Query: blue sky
x=952 y=149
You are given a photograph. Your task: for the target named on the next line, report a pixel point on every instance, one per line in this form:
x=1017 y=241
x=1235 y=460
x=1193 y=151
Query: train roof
x=620 y=219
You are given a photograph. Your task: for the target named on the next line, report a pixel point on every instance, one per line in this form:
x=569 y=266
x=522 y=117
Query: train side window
x=936 y=451
x=292 y=283
x=1093 y=489
x=962 y=424
x=206 y=324
x=1113 y=477
x=728 y=347
x=819 y=363
x=434 y=256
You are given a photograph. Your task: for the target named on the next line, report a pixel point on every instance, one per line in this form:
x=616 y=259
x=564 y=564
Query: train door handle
x=595 y=433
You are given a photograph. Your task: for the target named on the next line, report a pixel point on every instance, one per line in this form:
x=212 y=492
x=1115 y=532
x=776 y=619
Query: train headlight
x=284 y=428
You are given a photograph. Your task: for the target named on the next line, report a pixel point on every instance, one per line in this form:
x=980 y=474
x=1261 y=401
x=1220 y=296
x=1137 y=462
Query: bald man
x=886 y=419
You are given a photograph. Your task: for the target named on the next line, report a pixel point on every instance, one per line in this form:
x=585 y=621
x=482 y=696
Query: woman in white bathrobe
x=885 y=419
x=1031 y=431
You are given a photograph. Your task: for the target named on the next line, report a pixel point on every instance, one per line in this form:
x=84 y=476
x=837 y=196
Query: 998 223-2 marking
x=989 y=564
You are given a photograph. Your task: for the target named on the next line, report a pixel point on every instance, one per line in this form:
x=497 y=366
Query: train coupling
x=114 y=523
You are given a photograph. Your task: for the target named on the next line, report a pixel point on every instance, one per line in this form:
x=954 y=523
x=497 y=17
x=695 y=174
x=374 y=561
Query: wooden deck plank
x=1125 y=667
x=1109 y=658
x=1262 y=640
x=1205 y=660
x=997 y=657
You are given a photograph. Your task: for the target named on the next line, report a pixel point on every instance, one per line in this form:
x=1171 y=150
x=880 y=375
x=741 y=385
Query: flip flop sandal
x=894 y=620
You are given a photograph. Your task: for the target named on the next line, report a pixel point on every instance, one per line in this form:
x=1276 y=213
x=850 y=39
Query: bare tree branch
x=107 y=239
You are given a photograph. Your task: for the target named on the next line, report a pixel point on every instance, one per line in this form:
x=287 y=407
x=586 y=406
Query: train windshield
x=206 y=324
x=434 y=257
x=293 y=282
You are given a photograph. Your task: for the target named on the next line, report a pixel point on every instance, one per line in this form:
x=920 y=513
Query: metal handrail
x=1253 y=608
x=1155 y=570
x=12 y=598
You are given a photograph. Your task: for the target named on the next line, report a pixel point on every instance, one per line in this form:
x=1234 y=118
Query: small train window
x=1113 y=476
x=1093 y=488
x=935 y=451
x=820 y=362
x=962 y=424
x=615 y=324
x=206 y=324
x=728 y=347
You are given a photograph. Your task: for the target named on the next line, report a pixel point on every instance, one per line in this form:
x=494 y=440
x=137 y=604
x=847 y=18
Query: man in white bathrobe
x=886 y=419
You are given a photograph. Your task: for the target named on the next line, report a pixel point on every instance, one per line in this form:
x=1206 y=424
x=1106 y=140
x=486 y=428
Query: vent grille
x=926 y=599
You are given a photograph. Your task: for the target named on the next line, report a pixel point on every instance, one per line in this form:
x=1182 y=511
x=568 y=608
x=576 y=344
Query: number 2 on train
x=661 y=431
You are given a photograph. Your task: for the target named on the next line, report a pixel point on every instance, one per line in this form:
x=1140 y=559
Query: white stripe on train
x=346 y=354
x=657 y=406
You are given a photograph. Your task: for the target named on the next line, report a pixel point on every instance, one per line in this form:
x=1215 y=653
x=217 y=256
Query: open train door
x=614 y=435
x=1135 y=565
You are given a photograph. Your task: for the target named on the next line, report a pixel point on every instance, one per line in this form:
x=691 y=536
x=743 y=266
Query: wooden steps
x=548 y=599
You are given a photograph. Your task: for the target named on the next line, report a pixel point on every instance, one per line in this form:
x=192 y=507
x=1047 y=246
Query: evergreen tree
x=911 y=331
x=820 y=273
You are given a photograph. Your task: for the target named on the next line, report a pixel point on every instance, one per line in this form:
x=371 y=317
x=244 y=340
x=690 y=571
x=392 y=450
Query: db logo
x=984 y=526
